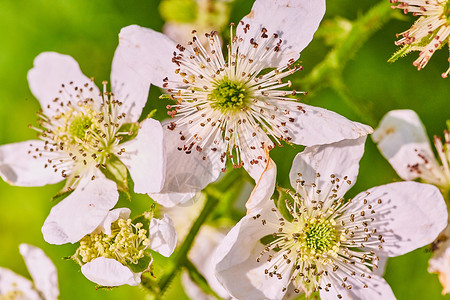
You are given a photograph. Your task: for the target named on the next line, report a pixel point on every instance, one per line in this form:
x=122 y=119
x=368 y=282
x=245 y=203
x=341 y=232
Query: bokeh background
x=87 y=30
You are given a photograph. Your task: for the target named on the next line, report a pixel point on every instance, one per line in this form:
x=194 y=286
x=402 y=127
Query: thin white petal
x=128 y=85
x=12 y=282
x=295 y=21
x=18 y=167
x=81 y=212
x=145 y=158
x=148 y=52
x=50 y=71
x=236 y=266
x=186 y=174
x=111 y=217
x=109 y=272
x=340 y=159
x=200 y=254
x=411 y=215
x=318 y=126
x=42 y=270
x=398 y=136
x=163 y=237
x=377 y=288
x=440 y=261
x=263 y=190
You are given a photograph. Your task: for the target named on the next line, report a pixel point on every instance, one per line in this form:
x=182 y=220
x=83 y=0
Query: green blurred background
x=87 y=30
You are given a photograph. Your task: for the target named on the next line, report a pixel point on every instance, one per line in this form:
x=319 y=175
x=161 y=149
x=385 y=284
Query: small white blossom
x=402 y=139
x=235 y=106
x=430 y=32
x=107 y=255
x=87 y=137
x=45 y=279
x=313 y=240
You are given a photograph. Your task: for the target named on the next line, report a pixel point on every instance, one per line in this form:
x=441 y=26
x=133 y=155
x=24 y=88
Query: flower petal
x=42 y=270
x=163 y=237
x=400 y=137
x=318 y=126
x=186 y=174
x=377 y=288
x=111 y=217
x=18 y=167
x=145 y=158
x=236 y=265
x=263 y=190
x=11 y=282
x=148 y=52
x=127 y=84
x=410 y=215
x=51 y=70
x=109 y=272
x=81 y=212
x=295 y=21
x=440 y=261
x=200 y=254
x=340 y=160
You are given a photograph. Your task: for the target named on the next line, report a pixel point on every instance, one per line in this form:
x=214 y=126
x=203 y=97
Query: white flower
x=45 y=279
x=429 y=33
x=115 y=253
x=87 y=137
x=231 y=107
x=402 y=139
x=314 y=240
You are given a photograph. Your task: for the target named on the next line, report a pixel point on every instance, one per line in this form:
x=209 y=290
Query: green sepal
x=166 y=97
x=117 y=172
x=145 y=218
x=132 y=129
x=400 y=53
x=151 y=114
x=142 y=265
x=63 y=194
x=106 y=288
x=198 y=279
x=283 y=201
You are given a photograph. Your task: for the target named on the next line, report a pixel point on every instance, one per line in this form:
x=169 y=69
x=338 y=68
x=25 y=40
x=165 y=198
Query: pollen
x=126 y=243
x=319 y=236
x=79 y=126
x=228 y=96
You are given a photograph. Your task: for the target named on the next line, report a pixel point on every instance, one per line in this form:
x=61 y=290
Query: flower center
x=126 y=243
x=228 y=96
x=79 y=126
x=319 y=236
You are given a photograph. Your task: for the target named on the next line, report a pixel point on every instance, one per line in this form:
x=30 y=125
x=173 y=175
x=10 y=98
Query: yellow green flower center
x=229 y=96
x=79 y=125
x=126 y=243
x=319 y=236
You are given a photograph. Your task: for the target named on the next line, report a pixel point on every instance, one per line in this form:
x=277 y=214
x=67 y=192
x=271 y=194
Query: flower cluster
x=228 y=107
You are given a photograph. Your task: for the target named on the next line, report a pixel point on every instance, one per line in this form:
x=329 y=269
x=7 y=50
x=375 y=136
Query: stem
x=180 y=256
x=338 y=57
x=360 y=109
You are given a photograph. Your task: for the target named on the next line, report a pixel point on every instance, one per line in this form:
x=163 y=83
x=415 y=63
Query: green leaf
x=142 y=264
